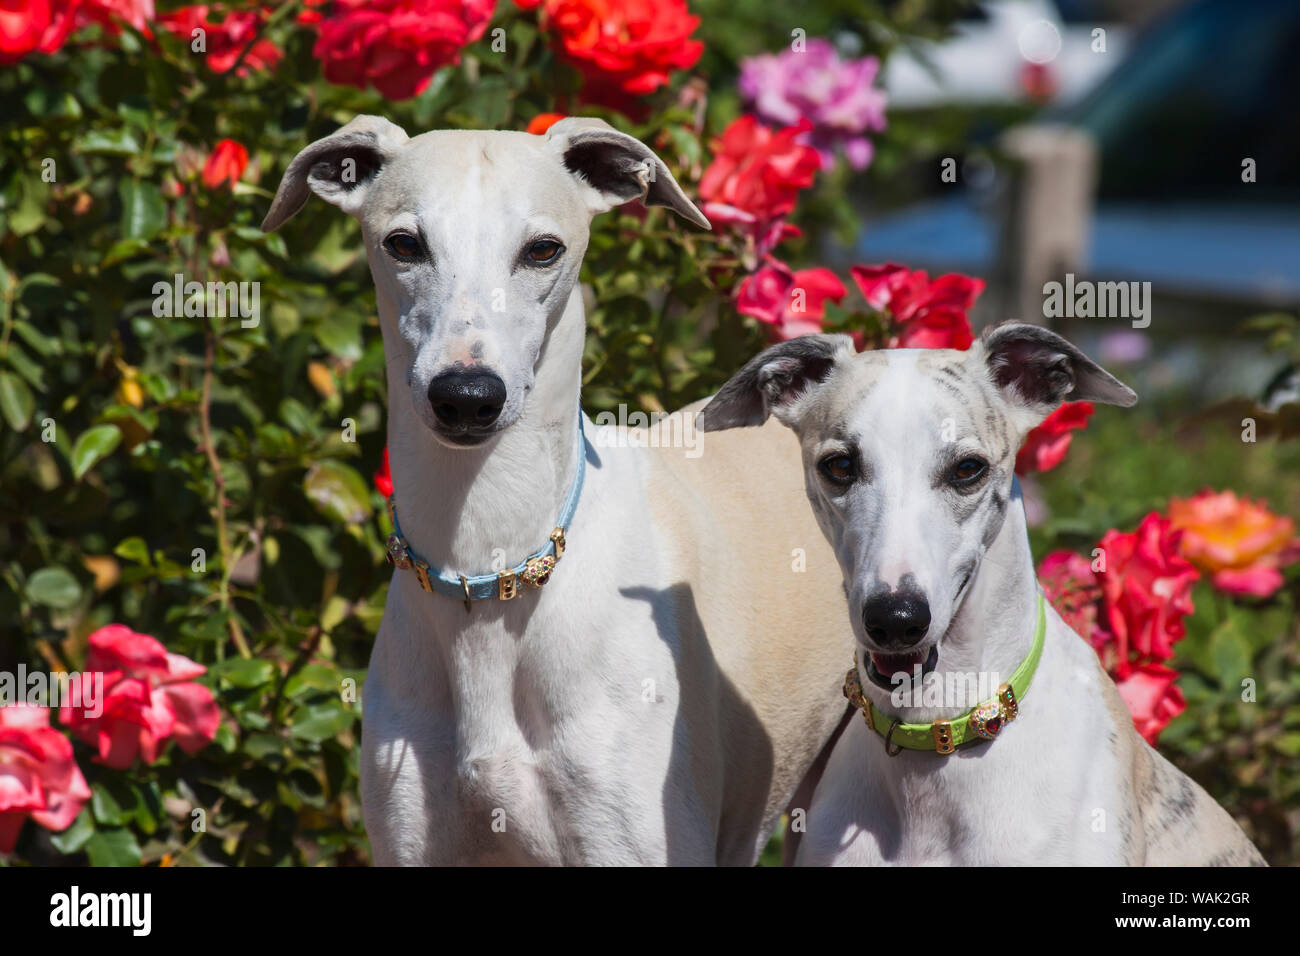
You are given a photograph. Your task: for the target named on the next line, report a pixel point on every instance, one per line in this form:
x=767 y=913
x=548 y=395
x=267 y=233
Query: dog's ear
x=618 y=168
x=338 y=168
x=772 y=382
x=1038 y=370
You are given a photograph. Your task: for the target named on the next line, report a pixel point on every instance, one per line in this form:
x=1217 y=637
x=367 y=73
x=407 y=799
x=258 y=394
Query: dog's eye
x=838 y=468
x=543 y=251
x=968 y=471
x=403 y=246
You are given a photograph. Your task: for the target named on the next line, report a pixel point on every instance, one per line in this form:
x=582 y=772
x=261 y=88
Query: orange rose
x=1239 y=543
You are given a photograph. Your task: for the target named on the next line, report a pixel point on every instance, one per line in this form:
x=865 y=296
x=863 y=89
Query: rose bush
x=217 y=487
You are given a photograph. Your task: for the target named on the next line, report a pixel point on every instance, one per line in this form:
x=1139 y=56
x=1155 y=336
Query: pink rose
x=38 y=776
x=755 y=179
x=1152 y=698
x=792 y=303
x=1072 y=588
x=149 y=696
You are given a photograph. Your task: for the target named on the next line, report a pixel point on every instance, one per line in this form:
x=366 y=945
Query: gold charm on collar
x=1010 y=706
x=987 y=719
x=538 y=570
x=853 y=691
x=397 y=554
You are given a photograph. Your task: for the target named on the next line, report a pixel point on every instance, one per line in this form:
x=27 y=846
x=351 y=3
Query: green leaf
x=133 y=549
x=114 y=142
x=16 y=401
x=107 y=808
x=75 y=836
x=340 y=333
x=1288 y=744
x=244 y=672
x=46 y=345
x=321 y=722
x=113 y=848
x=54 y=587
x=94 y=445
x=337 y=491
x=312 y=677
x=144 y=213
x=122 y=250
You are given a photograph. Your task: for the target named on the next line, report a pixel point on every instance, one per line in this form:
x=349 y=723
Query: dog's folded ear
x=1038 y=369
x=773 y=382
x=338 y=168
x=618 y=168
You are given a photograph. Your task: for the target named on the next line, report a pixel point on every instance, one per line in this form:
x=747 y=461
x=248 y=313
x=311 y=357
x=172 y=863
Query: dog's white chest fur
x=1042 y=793
x=521 y=734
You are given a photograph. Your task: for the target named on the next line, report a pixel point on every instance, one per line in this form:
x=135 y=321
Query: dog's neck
x=474 y=510
x=993 y=630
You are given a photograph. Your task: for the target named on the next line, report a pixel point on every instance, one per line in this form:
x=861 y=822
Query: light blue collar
x=534 y=571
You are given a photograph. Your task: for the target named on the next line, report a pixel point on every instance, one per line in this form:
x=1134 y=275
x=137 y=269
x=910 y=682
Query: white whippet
x=659 y=699
x=909 y=465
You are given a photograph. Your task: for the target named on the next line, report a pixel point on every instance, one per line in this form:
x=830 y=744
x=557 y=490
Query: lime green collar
x=944 y=736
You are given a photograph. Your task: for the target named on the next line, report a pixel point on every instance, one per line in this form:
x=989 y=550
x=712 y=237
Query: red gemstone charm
x=986 y=719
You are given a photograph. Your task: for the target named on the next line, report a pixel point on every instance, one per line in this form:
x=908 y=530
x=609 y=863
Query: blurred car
x=1005 y=51
x=1203 y=90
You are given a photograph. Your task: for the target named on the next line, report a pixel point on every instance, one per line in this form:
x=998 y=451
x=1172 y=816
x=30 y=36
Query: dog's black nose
x=896 y=619
x=470 y=398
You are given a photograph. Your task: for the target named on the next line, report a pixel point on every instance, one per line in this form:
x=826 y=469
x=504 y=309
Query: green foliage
x=1240 y=734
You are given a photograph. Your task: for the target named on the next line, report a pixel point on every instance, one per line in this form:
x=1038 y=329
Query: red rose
x=38 y=776
x=1046 y=445
x=397 y=45
x=792 y=303
x=34 y=26
x=224 y=41
x=226 y=163
x=384 y=477
x=1147 y=587
x=149 y=696
x=625 y=46
x=1152 y=698
x=112 y=13
x=927 y=315
x=938 y=329
x=540 y=123
x=755 y=179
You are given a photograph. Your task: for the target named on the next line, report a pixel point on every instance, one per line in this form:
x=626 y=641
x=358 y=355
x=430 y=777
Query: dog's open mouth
x=883 y=667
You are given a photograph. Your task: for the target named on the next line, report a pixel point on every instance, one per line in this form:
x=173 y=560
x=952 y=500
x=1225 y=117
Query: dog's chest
x=551 y=756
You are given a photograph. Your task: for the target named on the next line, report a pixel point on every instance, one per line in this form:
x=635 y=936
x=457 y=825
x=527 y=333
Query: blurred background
x=1108 y=140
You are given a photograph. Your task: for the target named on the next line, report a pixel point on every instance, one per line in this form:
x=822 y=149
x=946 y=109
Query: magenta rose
x=834 y=95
